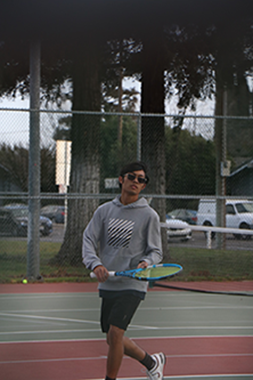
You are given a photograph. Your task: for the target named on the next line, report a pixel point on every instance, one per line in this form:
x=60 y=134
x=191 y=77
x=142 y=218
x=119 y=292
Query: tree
x=15 y=159
x=75 y=52
x=233 y=65
x=190 y=163
x=113 y=156
x=153 y=133
x=85 y=172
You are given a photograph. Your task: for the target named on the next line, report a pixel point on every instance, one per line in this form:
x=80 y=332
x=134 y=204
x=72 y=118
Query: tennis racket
x=151 y=273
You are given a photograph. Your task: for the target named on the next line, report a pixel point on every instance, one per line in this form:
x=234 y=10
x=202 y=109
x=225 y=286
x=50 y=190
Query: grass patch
x=13 y=264
x=211 y=264
x=199 y=264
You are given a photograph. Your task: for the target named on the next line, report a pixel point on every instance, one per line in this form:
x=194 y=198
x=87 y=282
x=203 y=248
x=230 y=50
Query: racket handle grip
x=111 y=274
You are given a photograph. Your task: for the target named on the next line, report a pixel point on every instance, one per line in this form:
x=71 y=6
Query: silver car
x=177 y=229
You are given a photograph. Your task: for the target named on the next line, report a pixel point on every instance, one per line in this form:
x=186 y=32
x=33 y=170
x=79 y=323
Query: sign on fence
x=63 y=162
x=111 y=183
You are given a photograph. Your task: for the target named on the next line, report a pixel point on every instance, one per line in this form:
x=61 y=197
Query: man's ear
x=120 y=180
x=143 y=187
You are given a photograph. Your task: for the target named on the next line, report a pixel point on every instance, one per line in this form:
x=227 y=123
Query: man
x=128 y=232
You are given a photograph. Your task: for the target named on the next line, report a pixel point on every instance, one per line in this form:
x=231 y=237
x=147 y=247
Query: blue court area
x=188 y=321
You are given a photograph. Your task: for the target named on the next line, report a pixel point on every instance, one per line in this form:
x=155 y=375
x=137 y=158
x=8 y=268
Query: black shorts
x=118 y=311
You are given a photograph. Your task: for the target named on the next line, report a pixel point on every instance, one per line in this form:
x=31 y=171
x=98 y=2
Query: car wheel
x=187 y=237
x=244 y=226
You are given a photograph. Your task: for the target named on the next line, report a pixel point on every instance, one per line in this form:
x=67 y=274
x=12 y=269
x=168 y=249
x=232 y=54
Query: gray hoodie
x=127 y=235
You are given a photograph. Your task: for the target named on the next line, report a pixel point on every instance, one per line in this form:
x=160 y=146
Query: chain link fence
x=188 y=145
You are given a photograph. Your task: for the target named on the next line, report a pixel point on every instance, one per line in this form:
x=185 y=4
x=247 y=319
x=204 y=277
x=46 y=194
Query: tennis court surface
x=50 y=332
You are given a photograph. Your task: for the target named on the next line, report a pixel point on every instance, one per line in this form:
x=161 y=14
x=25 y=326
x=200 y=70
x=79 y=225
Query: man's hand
x=101 y=273
x=143 y=265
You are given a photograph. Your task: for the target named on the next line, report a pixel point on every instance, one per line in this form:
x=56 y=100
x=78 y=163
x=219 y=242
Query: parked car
x=10 y=225
x=239 y=214
x=178 y=229
x=54 y=212
x=189 y=216
x=20 y=212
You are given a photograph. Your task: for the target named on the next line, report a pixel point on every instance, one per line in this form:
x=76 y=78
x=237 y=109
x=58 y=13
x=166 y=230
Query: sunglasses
x=132 y=177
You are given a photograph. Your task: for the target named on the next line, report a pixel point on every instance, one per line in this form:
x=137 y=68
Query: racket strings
x=157 y=272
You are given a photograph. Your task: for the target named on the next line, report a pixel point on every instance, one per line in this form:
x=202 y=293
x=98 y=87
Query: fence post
x=33 y=248
x=139 y=138
x=209 y=239
x=221 y=136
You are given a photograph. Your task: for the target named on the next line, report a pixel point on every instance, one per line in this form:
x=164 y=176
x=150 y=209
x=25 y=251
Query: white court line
x=37 y=322
x=66 y=320
x=194 y=307
x=103 y=357
x=135 y=338
x=48 y=318
x=29 y=296
x=142 y=308
x=47 y=332
x=85 y=331
x=218 y=376
x=24 y=332
x=143 y=327
x=196 y=327
x=132 y=328
x=49 y=310
x=170 y=294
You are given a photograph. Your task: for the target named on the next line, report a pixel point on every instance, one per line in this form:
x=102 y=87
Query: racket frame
x=132 y=272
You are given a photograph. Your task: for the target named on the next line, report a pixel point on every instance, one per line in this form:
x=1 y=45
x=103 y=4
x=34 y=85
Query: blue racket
x=151 y=273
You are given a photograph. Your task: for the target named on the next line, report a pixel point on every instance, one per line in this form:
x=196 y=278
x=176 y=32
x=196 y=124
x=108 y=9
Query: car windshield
x=20 y=212
x=244 y=207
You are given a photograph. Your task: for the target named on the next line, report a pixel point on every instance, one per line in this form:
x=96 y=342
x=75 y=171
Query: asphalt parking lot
x=198 y=240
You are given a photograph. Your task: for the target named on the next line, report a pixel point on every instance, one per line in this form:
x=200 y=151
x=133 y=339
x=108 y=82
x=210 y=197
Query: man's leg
x=120 y=345
x=131 y=349
x=116 y=351
x=134 y=351
x=154 y=363
x=116 y=314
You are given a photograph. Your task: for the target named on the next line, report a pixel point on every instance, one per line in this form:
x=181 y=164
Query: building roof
x=246 y=165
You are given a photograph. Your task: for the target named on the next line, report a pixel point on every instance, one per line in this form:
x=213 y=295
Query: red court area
x=86 y=359
x=71 y=287
x=76 y=360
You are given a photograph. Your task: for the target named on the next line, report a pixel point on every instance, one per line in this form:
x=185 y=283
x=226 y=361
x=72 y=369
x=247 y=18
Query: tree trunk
x=239 y=132
x=153 y=133
x=85 y=171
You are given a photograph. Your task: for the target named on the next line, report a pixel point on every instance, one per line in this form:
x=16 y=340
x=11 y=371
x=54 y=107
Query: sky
x=14 y=125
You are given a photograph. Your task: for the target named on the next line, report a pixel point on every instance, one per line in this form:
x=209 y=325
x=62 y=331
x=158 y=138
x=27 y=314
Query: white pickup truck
x=239 y=214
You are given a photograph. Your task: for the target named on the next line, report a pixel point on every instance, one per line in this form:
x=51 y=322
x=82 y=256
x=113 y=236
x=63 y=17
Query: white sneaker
x=156 y=373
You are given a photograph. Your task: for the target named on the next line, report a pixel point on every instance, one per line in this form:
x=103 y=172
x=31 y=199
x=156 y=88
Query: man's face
x=133 y=182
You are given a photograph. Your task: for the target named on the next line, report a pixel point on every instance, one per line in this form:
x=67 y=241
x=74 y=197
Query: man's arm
x=91 y=238
x=153 y=253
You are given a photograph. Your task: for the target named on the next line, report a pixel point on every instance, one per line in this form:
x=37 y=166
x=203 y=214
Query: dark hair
x=132 y=167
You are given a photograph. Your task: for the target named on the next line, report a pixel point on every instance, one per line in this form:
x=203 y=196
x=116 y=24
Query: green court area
x=50 y=316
